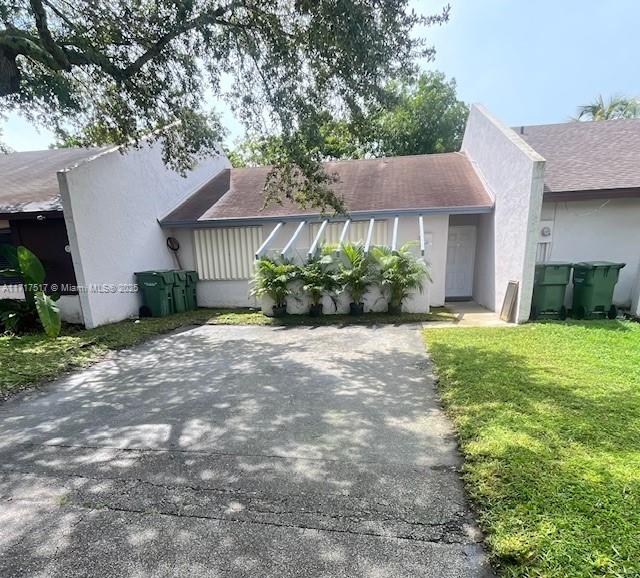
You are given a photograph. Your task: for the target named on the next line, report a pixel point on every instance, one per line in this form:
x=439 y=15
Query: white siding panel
x=226 y=253
x=357 y=232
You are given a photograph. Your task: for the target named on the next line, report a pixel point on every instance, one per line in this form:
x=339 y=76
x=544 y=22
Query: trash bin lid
x=544 y=264
x=598 y=264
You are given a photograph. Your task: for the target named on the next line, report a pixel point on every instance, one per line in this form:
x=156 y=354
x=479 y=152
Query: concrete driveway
x=238 y=451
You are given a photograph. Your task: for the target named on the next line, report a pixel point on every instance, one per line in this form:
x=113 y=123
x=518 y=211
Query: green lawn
x=548 y=417
x=31 y=359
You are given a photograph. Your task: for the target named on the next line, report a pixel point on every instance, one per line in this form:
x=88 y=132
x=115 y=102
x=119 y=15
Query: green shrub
x=400 y=273
x=357 y=273
x=273 y=279
x=17 y=317
x=319 y=277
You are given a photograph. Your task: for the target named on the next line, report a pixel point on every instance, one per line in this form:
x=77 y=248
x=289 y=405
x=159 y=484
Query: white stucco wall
x=513 y=173
x=236 y=293
x=599 y=231
x=112 y=204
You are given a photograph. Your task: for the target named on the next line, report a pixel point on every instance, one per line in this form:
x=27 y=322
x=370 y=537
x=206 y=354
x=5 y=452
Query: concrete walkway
x=470 y=314
x=238 y=451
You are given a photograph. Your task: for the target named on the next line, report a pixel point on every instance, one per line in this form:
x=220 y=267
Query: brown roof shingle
x=419 y=182
x=28 y=180
x=588 y=156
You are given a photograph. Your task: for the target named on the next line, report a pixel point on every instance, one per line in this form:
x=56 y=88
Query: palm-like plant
x=272 y=279
x=617 y=107
x=400 y=273
x=318 y=278
x=357 y=274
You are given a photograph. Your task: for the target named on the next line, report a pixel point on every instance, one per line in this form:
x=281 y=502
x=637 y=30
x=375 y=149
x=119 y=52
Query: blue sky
x=529 y=62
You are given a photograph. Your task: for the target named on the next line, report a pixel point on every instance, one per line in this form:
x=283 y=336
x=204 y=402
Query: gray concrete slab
x=233 y=451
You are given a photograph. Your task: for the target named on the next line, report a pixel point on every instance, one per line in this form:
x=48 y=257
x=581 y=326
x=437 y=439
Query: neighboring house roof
x=592 y=159
x=404 y=184
x=28 y=180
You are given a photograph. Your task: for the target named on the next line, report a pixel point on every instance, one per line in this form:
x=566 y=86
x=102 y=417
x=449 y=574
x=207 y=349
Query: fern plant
x=400 y=273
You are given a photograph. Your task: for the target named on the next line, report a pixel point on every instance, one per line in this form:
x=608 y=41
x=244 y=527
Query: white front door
x=461 y=254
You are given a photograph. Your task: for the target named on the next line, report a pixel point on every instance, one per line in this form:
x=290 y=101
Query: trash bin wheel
x=579 y=312
x=613 y=312
x=563 y=313
x=144 y=311
x=534 y=313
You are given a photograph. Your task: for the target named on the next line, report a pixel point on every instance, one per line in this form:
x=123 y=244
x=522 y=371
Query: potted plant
x=272 y=279
x=318 y=278
x=400 y=273
x=356 y=275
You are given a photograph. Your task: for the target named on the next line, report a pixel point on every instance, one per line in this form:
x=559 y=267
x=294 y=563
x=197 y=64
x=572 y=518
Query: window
x=226 y=253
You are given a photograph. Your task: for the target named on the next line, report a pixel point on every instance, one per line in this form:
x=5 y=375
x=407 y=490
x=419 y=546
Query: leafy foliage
x=109 y=71
x=15 y=316
x=400 y=272
x=272 y=279
x=616 y=107
x=356 y=274
x=419 y=115
x=318 y=277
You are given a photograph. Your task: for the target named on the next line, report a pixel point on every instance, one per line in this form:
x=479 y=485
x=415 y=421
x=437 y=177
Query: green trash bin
x=179 y=291
x=593 y=285
x=156 y=288
x=549 y=287
x=192 y=299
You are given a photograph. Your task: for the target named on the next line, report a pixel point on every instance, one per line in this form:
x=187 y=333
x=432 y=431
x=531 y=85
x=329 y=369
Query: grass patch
x=31 y=359
x=548 y=417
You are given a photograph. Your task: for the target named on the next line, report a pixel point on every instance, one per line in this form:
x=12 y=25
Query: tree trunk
x=9 y=73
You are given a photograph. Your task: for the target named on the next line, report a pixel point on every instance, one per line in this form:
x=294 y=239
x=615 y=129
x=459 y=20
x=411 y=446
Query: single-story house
x=482 y=216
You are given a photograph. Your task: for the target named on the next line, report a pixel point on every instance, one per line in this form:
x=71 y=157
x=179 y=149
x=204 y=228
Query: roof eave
x=258 y=220
x=591 y=194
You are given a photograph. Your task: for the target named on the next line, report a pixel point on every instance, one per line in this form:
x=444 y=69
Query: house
x=91 y=215
x=482 y=216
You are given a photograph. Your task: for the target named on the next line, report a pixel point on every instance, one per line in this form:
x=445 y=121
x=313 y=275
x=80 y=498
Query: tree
x=425 y=116
x=419 y=115
x=617 y=107
x=119 y=70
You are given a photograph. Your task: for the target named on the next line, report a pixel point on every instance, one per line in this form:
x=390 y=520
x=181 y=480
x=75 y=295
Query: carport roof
x=588 y=159
x=404 y=184
x=29 y=182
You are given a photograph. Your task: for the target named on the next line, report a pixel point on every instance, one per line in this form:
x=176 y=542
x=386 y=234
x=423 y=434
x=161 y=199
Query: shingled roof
x=409 y=183
x=591 y=158
x=28 y=180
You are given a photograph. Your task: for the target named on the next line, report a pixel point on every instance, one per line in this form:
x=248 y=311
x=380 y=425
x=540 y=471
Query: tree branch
x=48 y=43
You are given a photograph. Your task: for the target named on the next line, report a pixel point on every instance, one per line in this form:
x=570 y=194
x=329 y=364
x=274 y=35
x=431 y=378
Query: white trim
x=394 y=238
x=288 y=246
x=314 y=245
x=268 y=240
x=421 y=230
x=372 y=222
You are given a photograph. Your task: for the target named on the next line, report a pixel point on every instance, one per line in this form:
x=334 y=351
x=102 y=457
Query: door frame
x=473 y=263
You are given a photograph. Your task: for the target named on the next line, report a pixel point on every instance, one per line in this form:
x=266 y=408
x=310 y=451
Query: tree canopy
x=119 y=70
x=615 y=108
x=418 y=115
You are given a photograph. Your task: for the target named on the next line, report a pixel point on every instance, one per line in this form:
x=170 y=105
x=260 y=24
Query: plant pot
x=394 y=309
x=279 y=310
x=356 y=308
x=315 y=310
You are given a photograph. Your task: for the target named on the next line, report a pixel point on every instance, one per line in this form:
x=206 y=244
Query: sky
x=528 y=62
